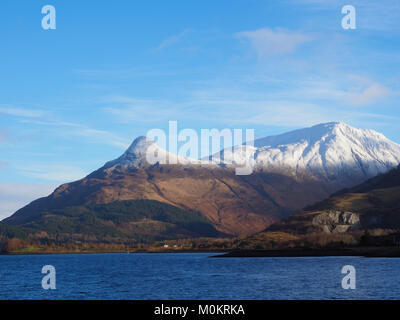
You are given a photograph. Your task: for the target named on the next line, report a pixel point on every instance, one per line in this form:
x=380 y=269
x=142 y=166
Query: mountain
x=291 y=171
x=331 y=151
x=374 y=204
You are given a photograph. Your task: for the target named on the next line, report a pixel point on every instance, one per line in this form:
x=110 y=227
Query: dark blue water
x=196 y=276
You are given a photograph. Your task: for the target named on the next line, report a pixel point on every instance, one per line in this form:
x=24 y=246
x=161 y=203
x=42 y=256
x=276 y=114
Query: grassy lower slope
x=142 y=220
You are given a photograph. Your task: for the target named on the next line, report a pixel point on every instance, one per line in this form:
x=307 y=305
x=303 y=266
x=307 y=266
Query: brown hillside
x=237 y=205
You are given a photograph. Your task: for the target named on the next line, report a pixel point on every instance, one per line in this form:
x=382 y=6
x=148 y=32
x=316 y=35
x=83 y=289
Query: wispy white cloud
x=127 y=109
x=230 y=107
x=269 y=42
x=21 y=112
x=365 y=91
x=14 y=196
x=368 y=95
x=172 y=40
x=52 y=172
x=45 y=122
x=125 y=73
x=102 y=136
x=79 y=130
x=345 y=90
x=291 y=103
x=45 y=118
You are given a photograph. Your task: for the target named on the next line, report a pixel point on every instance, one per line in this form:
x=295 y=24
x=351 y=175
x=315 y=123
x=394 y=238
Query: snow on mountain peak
x=329 y=150
x=135 y=155
x=311 y=135
x=144 y=151
x=140 y=146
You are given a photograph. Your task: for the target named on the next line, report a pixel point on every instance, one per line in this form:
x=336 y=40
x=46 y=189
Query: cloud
x=268 y=42
x=234 y=107
x=174 y=39
x=21 y=112
x=128 y=109
x=14 y=196
x=291 y=103
x=42 y=118
x=102 y=136
x=342 y=90
x=76 y=129
x=368 y=95
x=52 y=172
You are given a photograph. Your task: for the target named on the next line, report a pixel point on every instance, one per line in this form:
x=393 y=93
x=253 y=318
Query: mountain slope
x=292 y=170
x=234 y=204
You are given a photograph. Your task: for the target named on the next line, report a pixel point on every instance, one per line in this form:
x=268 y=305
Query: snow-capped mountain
x=292 y=170
x=330 y=151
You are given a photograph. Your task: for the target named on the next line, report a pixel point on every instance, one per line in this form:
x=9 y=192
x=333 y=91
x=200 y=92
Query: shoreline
x=109 y=252
x=366 y=252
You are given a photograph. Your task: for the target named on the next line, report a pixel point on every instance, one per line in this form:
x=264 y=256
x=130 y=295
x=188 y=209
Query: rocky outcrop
x=337 y=221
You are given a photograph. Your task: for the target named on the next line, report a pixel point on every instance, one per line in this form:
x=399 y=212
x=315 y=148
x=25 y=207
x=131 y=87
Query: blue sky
x=75 y=97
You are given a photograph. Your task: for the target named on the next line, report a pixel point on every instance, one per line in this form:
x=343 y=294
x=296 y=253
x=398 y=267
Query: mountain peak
x=332 y=150
x=142 y=149
x=140 y=145
x=135 y=155
x=318 y=132
x=331 y=126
